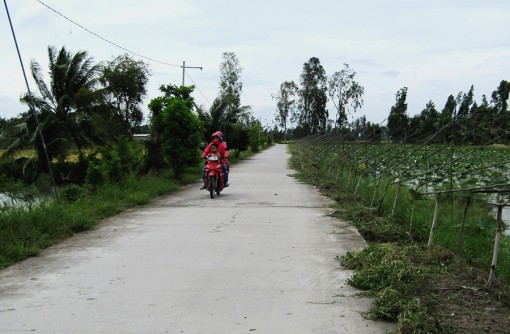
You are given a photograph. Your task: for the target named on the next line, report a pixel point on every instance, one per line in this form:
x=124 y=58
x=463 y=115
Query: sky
x=436 y=48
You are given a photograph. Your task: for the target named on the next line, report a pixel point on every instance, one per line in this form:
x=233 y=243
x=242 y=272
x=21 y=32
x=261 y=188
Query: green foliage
x=176 y=131
x=398 y=275
x=346 y=93
x=71 y=171
x=255 y=137
x=125 y=81
x=115 y=162
x=286 y=104
x=395 y=276
x=230 y=85
x=415 y=317
x=70 y=193
x=398 y=119
x=238 y=139
x=65 y=107
x=312 y=115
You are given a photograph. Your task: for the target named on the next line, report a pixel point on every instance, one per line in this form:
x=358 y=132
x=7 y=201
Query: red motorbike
x=214 y=175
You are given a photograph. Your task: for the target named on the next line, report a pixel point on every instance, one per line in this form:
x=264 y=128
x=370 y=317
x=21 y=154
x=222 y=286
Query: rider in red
x=217 y=139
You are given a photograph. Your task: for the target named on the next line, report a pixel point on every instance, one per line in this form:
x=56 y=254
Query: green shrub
x=115 y=162
x=254 y=137
x=175 y=131
x=70 y=193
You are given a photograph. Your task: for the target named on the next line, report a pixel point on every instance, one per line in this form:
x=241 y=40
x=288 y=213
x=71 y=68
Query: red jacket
x=222 y=151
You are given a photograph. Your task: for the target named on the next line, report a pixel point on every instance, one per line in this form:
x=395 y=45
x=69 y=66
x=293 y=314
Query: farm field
x=428 y=214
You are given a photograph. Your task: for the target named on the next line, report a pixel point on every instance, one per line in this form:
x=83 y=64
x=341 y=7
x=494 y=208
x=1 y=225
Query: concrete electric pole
x=184 y=67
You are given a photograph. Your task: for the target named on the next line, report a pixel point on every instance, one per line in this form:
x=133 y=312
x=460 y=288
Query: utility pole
x=184 y=67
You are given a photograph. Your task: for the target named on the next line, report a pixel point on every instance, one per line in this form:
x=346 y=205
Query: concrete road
x=260 y=258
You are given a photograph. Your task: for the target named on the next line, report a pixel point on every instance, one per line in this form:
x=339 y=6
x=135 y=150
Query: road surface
x=260 y=258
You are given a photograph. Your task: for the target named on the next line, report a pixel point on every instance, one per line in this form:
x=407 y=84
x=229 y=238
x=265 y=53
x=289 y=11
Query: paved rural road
x=260 y=258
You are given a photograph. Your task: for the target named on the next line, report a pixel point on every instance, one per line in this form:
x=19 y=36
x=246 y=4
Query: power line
x=198 y=88
x=104 y=39
x=125 y=49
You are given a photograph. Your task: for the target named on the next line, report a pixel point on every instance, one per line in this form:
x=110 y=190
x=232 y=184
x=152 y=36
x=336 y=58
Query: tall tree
x=445 y=119
x=461 y=125
x=285 y=104
x=312 y=115
x=398 y=119
x=125 y=81
x=500 y=96
x=501 y=121
x=65 y=107
x=346 y=94
x=176 y=132
x=429 y=118
x=231 y=88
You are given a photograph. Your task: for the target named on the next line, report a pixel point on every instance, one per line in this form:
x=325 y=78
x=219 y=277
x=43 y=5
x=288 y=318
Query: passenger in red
x=217 y=139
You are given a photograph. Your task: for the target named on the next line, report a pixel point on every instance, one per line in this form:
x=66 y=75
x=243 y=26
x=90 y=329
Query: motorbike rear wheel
x=212 y=185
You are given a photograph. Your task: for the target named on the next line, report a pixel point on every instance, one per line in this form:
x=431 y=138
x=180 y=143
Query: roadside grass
x=440 y=290
x=26 y=230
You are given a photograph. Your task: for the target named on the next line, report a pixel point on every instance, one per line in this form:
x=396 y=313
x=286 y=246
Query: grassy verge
x=440 y=290
x=25 y=231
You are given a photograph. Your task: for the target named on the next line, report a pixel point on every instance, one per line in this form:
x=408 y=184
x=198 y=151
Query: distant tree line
x=461 y=120
x=301 y=111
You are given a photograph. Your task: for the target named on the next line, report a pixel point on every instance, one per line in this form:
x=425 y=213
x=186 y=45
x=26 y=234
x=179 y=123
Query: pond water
x=8 y=201
x=4 y=199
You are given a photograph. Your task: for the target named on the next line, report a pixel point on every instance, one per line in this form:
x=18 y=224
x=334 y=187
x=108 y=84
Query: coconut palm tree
x=66 y=107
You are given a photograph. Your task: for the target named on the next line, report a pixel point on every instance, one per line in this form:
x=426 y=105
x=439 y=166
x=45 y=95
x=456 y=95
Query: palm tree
x=223 y=116
x=65 y=107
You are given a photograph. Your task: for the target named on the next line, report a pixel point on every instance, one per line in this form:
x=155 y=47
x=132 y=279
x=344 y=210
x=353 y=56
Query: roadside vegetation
x=422 y=188
x=441 y=289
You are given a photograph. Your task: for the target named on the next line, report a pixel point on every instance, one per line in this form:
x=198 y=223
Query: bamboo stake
x=412 y=218
x=349 y=177
x=461 y=233
x=357 y=185
x=375 y=191
x=434 y=222
x=497 y=243
x=383 y=196
x=396 y=199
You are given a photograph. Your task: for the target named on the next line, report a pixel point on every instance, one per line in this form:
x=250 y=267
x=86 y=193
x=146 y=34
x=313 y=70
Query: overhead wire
x=201 y=93
x=119 y=46
x=104 y=39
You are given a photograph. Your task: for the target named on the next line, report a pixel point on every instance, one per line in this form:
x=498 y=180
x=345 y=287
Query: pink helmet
x=218 y=134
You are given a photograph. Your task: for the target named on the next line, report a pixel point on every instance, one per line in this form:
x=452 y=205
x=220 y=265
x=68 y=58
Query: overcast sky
x=434 y=47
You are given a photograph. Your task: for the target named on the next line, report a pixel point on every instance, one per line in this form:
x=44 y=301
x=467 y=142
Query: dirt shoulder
x=465 y=305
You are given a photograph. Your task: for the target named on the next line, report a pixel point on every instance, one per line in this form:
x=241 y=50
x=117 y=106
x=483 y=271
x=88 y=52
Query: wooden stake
x=412 y=218
x=379 y=209
x=349 y=177
x=497 y=242
x=396 y=199
x=434 y=222
x=357 y=185
x=375 y=191
x=461 y=232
